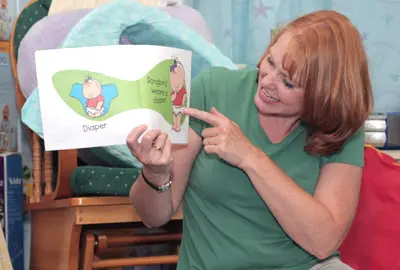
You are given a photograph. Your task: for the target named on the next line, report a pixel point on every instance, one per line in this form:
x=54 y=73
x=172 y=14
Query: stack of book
x=382 y=130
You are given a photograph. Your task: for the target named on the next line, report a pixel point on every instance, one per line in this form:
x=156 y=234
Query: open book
x=94 y=96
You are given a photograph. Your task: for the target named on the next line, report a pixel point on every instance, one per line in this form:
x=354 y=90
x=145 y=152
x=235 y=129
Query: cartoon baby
x=4 y=4
x=4 y=26
x=5 y=128
x=5 y=19
x=93 y=92
x=179 y=94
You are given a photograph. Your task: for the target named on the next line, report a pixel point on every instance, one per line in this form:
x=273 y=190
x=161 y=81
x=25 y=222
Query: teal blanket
x=141 y=25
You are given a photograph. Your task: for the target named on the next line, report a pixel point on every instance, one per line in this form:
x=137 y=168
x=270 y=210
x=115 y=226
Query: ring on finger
x=156 y=147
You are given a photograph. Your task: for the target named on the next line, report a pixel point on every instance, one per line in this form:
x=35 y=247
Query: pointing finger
x=215 y=112
x=203 y=116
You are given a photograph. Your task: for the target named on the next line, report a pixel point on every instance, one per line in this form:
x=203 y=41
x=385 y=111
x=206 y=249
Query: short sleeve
x=352 y=152
x=199 y=87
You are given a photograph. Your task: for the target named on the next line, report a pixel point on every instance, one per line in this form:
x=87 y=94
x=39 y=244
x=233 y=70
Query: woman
x=271 y=174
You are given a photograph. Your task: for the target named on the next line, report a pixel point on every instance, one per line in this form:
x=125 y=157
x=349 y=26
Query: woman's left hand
x=224 y=138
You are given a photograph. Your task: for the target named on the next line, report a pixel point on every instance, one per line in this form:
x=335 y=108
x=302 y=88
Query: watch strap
x=159 y=189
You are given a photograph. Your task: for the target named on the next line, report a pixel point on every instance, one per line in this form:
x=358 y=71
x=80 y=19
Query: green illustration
x=99 y=97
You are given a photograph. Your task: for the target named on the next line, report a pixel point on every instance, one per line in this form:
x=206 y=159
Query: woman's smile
x=266 y=97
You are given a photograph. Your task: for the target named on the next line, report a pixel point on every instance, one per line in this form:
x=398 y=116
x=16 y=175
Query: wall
x=378 y=21
x=241 y=30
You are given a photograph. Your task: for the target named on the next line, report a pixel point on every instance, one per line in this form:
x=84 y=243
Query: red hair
x=326 y=57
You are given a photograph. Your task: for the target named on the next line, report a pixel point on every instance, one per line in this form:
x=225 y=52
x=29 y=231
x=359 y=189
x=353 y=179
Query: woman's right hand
x=154 y=151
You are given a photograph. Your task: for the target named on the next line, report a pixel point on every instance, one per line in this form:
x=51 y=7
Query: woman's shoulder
x=222 y=79
x=351 y=153
x=230 y=91
x=217 y=72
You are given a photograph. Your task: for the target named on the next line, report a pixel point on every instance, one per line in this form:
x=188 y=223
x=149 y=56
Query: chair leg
x=88 y=251
x=55 y=239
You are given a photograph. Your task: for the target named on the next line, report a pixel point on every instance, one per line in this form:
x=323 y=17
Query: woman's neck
x=278 y=127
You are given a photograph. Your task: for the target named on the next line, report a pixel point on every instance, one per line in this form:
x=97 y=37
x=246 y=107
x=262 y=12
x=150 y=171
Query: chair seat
x=95 y=210
x=88 y=181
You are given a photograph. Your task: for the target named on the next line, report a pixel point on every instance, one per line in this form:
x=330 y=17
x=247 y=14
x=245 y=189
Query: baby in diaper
x=93 y=92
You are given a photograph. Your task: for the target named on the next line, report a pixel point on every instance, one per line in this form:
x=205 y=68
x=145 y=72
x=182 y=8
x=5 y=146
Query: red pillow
x=373 y=242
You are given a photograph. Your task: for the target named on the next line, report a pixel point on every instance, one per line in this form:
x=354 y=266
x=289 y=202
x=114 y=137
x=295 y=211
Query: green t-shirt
x=226 y=224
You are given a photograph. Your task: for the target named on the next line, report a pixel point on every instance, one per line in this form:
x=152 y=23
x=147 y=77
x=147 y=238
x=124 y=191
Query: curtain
x=241 y=29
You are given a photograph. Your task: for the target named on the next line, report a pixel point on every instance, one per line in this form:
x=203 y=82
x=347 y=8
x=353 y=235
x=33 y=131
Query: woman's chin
x=264 y=108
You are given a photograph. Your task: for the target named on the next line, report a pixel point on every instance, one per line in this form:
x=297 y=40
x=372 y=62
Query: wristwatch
x=159 y=189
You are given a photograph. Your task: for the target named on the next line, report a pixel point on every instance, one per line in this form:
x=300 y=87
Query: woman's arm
x=317 y=223
x=155 y=208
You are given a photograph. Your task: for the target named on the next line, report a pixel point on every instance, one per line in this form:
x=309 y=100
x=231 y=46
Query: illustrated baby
x=5 y=22
x=5 y=129
x=178 y=95
x=93 y=92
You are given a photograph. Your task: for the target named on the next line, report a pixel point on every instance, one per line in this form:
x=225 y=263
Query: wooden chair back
x=43 y=160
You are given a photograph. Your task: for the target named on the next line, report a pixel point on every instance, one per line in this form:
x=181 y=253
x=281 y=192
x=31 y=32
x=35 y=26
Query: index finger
x=203 y=116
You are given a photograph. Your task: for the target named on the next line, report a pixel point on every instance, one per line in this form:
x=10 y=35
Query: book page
x=5 y=260
x=8 y=14
x=8 y=107
x=94 y=96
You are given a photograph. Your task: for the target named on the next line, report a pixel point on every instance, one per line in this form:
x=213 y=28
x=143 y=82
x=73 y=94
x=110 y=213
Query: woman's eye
x=288 y=84
x=269 y=60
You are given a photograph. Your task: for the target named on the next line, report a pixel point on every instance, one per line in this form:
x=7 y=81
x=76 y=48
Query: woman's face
x=277 y=94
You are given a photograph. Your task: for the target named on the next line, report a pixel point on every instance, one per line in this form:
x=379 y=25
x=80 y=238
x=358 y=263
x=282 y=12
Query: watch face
x=165 y=187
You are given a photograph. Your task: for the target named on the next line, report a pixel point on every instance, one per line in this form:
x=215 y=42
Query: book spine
x=377 y=139
x=15 y=211
x=375 y=125
x=378 y=116
x=3 y=198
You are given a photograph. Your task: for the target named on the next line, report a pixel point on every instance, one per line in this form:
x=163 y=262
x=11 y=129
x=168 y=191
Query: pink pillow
x=373 y=242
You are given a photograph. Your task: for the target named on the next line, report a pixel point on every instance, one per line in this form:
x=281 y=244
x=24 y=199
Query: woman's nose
x=269 y=81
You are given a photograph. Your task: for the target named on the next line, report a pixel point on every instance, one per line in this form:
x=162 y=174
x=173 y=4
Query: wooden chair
x=58 y=219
